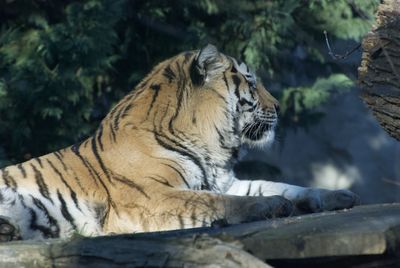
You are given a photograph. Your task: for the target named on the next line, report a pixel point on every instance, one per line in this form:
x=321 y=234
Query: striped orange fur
x=161 y=159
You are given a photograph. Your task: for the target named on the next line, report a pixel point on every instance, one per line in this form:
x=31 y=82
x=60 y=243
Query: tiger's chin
x=262 y=137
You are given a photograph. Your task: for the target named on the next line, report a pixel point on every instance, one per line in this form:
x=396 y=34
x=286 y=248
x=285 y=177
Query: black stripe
x=161 y=180
x=235 y=119
x=111 y=115
x=251 y=109
x=72 y=192
x=219 y=95
x=59 y=153
x=115 y=109
x=260 y=193
x=100 y=160
x=117 y=117
x=39 y=161
x=79 y=184
x=9 y=181
x=64 y=210
x=236 y=80
x=233 y=69
x=249 y=189
x=43 y=189
x=75 y=149
x=100 y=212
x=179 y=173
x=152 y=74
x=59 y=156
x=126 y=110
x=156 y=88
x=169 y=74
x=21 y=199
x=183 y=152
x=226 y=82
x=113 y=136
x=252 y=93
x=131 y=184
x=85 y=143
x=47 y=233
x=179 y=97
x=143 y=83
x=22 y=169
x=136 y=92
x=54 y=227
x=221 y=139
x=99 y=136
x=243 y=101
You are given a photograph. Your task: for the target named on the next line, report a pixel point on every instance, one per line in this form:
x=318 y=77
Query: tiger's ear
x=206 y=65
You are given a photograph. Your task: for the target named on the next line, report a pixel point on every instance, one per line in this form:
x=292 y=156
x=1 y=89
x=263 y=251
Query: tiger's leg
x=305 y=199
x=178 y=209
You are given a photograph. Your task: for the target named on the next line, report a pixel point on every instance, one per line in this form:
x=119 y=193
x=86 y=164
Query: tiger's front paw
x=317 y=200
x=267 y=207
x=8 y=231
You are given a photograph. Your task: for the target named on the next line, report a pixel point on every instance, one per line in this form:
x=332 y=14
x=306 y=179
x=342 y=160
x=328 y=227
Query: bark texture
x=128 y=251
x=358 y=236
x=379 y=73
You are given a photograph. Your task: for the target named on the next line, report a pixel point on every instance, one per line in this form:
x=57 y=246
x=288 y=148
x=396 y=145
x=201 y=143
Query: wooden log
x=364 y=231
x=127 y=251
x=379 y=72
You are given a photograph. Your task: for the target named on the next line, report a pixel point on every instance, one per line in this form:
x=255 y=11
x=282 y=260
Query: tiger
x=161 y=159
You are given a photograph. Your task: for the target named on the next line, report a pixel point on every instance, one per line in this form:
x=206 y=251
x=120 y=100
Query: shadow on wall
x=346 y=149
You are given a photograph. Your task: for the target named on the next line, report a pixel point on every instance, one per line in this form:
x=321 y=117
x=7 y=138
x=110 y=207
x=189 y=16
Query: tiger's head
x=252 y=110
x=204 y=100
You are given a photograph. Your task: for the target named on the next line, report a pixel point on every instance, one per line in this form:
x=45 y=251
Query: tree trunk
x=364 y=234
x=379 y=73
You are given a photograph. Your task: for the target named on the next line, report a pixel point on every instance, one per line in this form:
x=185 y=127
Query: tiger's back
x=82 y=188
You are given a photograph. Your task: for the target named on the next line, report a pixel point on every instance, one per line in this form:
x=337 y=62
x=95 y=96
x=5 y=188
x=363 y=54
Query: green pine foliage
x=49 y=74
x=301 y=103
x=63 y=64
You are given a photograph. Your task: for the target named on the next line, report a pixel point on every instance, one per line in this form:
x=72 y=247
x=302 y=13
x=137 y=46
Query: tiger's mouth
x=259 y=132
x=256 y=130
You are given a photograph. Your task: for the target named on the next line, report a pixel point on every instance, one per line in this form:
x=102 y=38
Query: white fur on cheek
x=265 y=142
x=267 y=138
